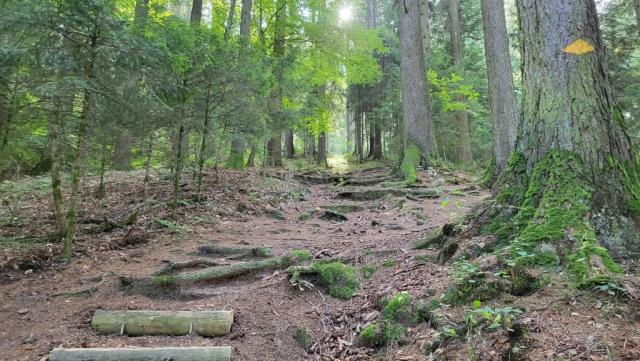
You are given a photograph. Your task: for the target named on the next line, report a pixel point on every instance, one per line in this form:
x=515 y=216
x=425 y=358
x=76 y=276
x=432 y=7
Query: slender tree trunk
x=80 y=151
x=236 y=153
x=177 y=173
x=415 y=105
x=463 y=151
x=502 y=95
x=147 y=165
x=573 y=178
x=203 y=144
x=289 y=148
x=275 y=149
x=229 y=25
x=359 y=151
x=103 y=168
x=55 y=128
x=349 y=127
x=321 y=159
x=252 y=157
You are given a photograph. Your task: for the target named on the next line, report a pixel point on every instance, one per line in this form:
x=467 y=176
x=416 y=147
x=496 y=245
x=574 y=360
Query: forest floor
x=38 y=312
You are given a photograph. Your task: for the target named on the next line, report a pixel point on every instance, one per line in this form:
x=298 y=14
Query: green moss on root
x=410 y=163
x=339 y=278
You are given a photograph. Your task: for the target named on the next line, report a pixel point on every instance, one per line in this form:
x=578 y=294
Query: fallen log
x=367 y=181
x=142 y=354
x=172 y=323
x=322 y=178
x=215 y=250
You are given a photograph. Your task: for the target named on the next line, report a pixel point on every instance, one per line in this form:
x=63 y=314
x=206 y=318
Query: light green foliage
x=369 y=333
x=450 y=89
x=397 y=313
x=302 y=255
x=367 y=271
x=389 y=263
x=339 y=278
x=497 y=317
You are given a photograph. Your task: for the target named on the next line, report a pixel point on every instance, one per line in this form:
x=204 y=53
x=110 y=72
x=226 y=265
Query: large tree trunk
x=245 y=20
x=502 y=95
x=573 y=178
x=236 y=153
x=415 y=105
x=196 y=12
x=463 y=151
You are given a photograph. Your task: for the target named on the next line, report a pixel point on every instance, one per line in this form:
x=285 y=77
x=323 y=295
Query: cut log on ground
x=172 y=323
x=238 y=252
x=142 y=354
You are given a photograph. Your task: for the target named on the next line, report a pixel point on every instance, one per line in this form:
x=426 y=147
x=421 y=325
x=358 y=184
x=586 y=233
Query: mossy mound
x=396 y=314
x=340 y=279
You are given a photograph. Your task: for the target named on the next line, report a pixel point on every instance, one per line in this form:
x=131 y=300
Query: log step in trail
x=142 y=354
x=171 y=323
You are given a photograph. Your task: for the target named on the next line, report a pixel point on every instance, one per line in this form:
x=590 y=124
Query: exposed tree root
x=239 y=252
x=176 y=266
x=378 y=193
x=367 y=181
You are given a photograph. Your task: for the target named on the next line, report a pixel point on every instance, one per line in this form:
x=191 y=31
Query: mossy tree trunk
x=55 y=121
x=573 y=176
x=415 y=104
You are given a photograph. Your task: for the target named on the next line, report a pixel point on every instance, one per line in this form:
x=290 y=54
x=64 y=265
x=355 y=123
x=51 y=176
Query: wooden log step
x=142 y=354
x=172 y=323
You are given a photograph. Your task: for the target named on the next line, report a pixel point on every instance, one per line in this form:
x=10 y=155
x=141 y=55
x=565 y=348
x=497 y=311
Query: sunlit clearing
x=345 y=14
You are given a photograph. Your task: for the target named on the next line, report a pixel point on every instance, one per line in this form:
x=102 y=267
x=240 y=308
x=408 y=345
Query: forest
x=221 y=180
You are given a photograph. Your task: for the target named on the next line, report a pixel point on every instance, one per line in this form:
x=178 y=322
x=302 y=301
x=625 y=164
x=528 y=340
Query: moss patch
x=339 y=278
x=410 y=163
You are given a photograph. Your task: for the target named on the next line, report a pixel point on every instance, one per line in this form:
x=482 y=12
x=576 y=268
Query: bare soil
x=37 y=313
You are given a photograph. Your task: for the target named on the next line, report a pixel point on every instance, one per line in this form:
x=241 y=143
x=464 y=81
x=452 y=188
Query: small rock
x=29 y=271
x=29 y=339
x=22 y=311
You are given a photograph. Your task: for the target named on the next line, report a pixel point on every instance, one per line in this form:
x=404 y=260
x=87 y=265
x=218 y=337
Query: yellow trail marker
x=579 y=47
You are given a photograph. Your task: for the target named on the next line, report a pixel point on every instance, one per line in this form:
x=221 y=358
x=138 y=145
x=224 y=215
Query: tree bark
x=236 y=153
x=359 y=151
x=245 y=21
x=275 y=149
x=122 y=153
x=155 y=323
x=147 y=166
x=229 y=25
x=502 y=95
x=322 y=150
x=196 y=12
x=415 y=105
x=142 y=354
x=252 y=157
x=573 y=178
x=55 y=124
x=177 y=172
x=463 y=151
x=289 y=148
x=425 y=25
